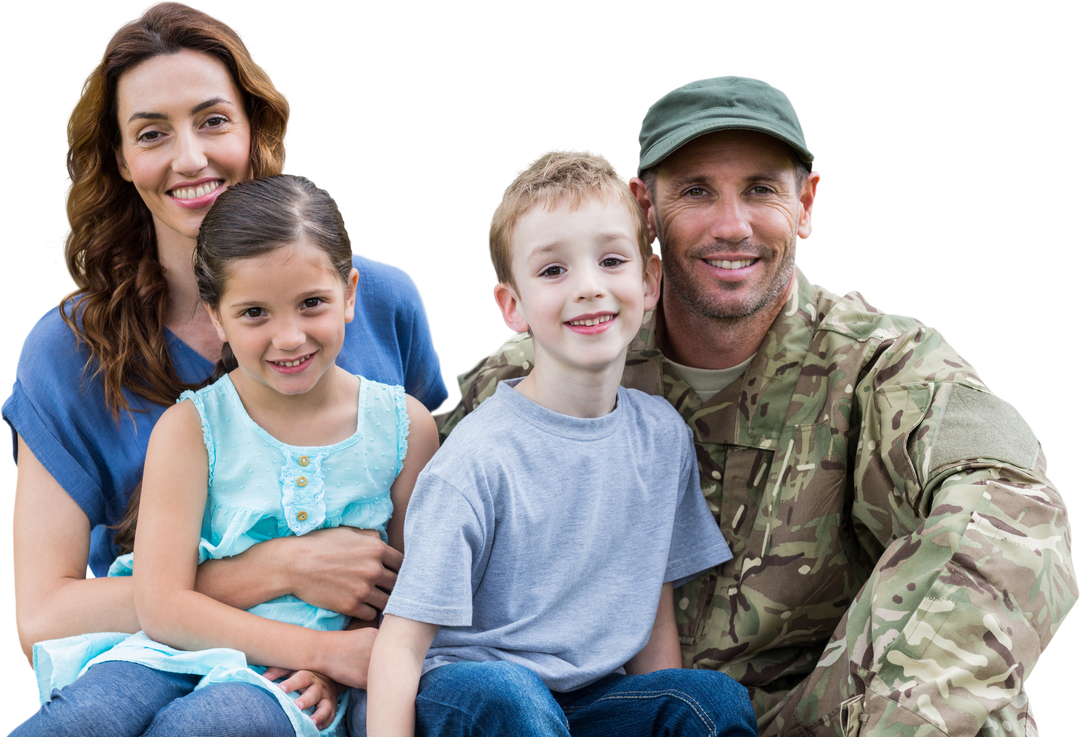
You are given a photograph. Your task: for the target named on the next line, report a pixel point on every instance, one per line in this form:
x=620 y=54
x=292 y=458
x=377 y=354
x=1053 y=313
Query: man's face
x=727 y=210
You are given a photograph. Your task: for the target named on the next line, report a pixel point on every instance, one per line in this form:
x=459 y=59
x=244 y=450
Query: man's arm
x=976 y=573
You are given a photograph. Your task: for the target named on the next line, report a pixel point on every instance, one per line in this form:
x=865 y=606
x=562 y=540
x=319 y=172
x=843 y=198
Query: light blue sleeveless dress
x=259 y=489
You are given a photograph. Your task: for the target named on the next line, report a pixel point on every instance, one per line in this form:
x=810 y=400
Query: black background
x=934 y=201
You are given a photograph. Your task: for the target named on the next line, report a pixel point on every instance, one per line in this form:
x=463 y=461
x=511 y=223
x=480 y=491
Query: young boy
x=545 y=537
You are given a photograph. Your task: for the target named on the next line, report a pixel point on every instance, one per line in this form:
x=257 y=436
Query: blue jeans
x=502 y=698
x=120 y=699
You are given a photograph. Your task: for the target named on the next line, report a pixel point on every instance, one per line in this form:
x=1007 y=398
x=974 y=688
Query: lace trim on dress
x=403 y=428
x=302 y=491
x=208 y=439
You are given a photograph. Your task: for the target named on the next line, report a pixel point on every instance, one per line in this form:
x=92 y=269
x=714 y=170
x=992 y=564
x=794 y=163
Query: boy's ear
x=653 y=275
x=217 y=323
x=350 y=295
x=510 y=306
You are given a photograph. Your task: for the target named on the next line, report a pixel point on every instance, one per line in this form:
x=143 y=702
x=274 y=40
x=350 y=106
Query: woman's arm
x=53 y=597
x=344 y=569
x=341 y=569
x=662 y=650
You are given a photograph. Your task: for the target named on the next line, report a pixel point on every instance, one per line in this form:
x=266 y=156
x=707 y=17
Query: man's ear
x=510 y=306
x=806 y=200
x=217 y=323
x=121 y=164
x=350 y=295
x=644 y=200
x=653 y=275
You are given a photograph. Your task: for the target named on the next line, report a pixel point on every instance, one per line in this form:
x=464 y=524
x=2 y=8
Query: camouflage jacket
x=901 y=559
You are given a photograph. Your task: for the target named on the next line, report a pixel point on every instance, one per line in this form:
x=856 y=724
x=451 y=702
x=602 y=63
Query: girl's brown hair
x=118 y=307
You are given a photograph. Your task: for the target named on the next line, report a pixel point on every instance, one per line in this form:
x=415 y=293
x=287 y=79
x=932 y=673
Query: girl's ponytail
x=227 y=363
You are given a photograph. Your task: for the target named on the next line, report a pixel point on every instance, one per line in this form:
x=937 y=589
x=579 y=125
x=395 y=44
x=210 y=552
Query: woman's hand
x=345 y=570
x=341 y=569
x=315 y=689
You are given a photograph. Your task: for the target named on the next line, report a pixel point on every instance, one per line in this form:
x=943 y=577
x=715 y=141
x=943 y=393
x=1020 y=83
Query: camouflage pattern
x=898 y=567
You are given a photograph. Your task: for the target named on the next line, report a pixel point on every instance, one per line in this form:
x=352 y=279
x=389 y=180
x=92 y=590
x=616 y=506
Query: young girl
x=286 y=443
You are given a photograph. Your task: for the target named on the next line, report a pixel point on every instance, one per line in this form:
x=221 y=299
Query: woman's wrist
x=257 y=575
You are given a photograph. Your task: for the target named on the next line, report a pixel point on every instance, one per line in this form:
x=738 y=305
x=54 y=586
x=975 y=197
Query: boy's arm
x=396 y=662
x=662 y=650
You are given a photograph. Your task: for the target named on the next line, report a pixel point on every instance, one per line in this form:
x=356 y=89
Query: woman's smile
x=184 y=137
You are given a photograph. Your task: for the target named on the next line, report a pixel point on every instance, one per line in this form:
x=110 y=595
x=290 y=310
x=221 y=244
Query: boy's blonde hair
x=560 y=176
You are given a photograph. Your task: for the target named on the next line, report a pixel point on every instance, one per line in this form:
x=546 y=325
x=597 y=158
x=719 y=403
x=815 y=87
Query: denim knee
x=112 y=699
x=492 y=697
x=665 y=703
x=711 y=697
x=223 y=710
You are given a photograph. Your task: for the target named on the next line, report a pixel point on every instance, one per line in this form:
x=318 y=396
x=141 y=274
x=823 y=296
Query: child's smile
x=283 y=314
x=293 y=366
x=579 y=286
x=591 y=324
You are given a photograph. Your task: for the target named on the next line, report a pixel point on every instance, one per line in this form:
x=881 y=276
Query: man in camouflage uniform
x=900 y=557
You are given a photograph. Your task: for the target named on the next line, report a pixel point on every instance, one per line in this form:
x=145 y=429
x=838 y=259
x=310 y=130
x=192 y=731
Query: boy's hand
x=315 y=689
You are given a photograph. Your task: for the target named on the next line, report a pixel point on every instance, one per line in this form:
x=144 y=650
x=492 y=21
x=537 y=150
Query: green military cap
x=722 y=103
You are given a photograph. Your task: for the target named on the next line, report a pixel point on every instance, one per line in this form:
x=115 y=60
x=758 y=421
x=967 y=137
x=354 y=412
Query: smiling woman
x=175 y=113
x=181 y=143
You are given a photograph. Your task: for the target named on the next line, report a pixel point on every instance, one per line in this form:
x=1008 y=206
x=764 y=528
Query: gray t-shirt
x=544 y=539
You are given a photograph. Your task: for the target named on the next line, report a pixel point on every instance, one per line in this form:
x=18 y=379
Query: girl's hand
x=315 y=690
x=345 y=655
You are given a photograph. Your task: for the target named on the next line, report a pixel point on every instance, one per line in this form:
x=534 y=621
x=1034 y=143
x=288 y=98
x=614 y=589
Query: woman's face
x=184 y=137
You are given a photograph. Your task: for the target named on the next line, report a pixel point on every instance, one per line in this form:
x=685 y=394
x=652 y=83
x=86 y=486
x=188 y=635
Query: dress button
x=301 y=516
x=302 y=460
x=302 y=481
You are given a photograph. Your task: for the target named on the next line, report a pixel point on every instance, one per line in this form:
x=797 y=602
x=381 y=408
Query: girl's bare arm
x=423 y=442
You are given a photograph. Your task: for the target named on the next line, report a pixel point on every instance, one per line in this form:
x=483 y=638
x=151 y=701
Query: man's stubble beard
x=703 y=300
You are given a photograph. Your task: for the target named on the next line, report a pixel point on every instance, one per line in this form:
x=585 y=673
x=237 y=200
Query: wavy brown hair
x=118 y=308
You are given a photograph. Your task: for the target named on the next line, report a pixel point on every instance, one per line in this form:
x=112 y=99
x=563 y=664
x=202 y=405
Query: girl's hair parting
x=118 y=308
x=258 y=216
